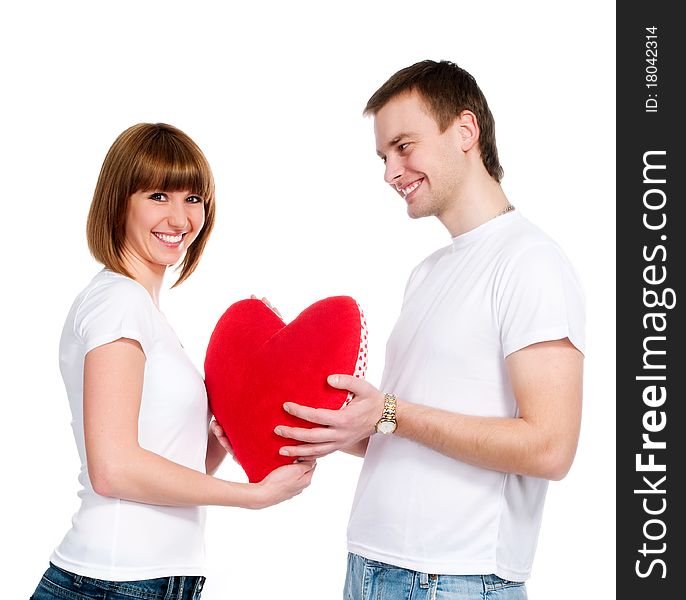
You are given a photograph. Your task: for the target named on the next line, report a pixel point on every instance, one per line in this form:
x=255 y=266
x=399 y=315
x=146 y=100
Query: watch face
x=386 y=426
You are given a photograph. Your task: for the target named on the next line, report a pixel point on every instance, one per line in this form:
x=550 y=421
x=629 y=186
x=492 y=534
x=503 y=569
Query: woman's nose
x=177 y=216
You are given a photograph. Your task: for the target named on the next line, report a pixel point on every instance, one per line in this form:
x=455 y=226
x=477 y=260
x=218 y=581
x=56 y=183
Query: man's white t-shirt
x=496 y=289
x=120 y=540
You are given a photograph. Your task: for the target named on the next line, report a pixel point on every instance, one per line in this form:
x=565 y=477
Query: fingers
x=268 y=304
x=302 y=434
x=321 y=416
x=309 y=451
x=308 y=475
x=302 y=471
x=309 y=465
x=300 y=468
x=347 y=382
x=296 y=469
x=218 y=432
x=284 y=482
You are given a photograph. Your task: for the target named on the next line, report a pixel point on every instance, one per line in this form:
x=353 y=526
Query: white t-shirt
x=120 y=540
x=496 y=289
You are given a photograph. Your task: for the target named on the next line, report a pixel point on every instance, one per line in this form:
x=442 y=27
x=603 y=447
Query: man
x=482 y=386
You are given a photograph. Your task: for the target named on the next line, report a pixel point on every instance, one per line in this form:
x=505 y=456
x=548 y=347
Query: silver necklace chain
x=505 y=210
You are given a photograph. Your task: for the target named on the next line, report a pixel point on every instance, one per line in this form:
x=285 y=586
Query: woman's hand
x=268 y=305
x=283 y=483
x=222 y=438
x=218 y=446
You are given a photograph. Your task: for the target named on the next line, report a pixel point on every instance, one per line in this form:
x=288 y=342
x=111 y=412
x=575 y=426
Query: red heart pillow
x=255 y=362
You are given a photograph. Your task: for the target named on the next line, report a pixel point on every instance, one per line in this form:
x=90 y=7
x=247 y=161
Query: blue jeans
x=58 y=583
x=368 y=579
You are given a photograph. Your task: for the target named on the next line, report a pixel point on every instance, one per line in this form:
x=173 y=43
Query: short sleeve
x=539 y=299
x=118 y=308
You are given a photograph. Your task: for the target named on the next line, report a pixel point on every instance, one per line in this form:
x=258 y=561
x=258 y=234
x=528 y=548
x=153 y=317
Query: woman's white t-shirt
x=120 y=540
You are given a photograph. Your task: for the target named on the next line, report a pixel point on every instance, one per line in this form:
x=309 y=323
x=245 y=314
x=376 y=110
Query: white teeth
x=410 y=188
x=170 y=239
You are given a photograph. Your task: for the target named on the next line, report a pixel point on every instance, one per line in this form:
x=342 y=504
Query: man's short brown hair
x=147 y=156
x=447 y=90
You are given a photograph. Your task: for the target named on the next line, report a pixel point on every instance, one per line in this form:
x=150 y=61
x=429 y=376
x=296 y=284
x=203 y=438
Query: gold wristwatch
x=387 y=423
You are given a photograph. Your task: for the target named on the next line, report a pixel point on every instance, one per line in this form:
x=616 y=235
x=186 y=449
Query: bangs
x=167 y=163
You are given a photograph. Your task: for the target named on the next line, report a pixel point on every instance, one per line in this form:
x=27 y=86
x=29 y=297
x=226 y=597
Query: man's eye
x=402 y=147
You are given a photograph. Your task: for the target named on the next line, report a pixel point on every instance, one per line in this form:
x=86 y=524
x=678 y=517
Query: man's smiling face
x=422 y=164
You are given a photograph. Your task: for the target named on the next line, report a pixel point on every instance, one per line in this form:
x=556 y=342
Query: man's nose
x=393 y=171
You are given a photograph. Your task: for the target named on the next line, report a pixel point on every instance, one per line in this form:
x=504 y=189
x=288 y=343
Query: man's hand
x=340 y=428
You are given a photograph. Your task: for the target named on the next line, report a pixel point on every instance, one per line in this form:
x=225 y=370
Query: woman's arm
x=119 y=467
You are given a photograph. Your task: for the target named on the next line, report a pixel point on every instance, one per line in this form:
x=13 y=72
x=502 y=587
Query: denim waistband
x=178 y=587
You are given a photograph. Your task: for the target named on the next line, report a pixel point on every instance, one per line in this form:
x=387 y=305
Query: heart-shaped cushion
x=255 y=362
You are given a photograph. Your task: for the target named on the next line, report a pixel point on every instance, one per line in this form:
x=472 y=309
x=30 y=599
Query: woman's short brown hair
x=447 y=90
x=147 y=156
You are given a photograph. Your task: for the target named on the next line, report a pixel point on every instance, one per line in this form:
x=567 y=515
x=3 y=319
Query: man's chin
x=415 y=212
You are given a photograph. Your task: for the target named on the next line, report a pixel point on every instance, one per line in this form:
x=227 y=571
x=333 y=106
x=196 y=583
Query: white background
x=273 y=93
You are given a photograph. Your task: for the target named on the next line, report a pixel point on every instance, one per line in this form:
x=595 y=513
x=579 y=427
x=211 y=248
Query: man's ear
x=467 y=129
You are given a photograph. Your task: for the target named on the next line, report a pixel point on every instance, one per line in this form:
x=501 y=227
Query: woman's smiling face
x=161 y=225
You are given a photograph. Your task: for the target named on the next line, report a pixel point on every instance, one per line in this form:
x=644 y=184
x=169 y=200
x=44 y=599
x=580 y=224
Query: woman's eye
x=159 y=196
x=194 y=199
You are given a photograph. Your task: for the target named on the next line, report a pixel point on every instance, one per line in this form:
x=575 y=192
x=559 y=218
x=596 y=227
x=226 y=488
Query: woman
x=139 y=407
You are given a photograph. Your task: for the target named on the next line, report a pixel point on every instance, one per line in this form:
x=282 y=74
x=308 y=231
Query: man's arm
x=358 y=449
x=540 y=442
